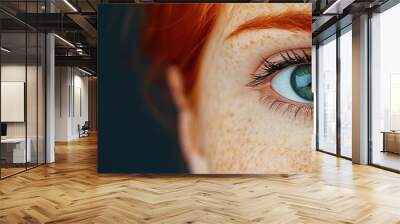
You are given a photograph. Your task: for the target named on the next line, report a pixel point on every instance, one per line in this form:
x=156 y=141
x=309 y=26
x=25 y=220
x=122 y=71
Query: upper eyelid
x=270 y=57
x=285 y=56
x=259 y=78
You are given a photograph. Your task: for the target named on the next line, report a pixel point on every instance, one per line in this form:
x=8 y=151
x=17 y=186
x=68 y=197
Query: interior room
x=59 y=104
x=25 y=64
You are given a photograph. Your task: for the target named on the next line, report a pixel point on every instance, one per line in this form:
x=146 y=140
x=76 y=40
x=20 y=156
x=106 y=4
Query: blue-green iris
x=300 y=81
x=294 y=83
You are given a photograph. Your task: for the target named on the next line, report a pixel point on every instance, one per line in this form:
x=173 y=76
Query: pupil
x=300 y=81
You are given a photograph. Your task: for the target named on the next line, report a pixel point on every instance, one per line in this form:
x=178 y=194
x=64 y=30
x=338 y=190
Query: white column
x=360 y=90
x=50 y=99
x=50 y=92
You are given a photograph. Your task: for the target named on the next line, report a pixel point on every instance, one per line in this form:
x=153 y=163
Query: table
x=15 y=148
x=391 y=141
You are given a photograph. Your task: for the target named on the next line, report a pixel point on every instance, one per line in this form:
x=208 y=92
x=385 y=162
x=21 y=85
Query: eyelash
x=269 y=67
x=292 y=110
x=289 y=58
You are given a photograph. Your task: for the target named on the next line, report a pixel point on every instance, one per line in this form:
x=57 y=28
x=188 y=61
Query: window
x=346 y=92
x=327 y=95
x=385 y=89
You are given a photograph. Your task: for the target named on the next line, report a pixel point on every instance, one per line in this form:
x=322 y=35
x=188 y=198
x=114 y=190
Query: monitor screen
x=3 y=129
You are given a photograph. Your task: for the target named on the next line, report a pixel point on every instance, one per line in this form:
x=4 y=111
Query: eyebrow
x=292 y=20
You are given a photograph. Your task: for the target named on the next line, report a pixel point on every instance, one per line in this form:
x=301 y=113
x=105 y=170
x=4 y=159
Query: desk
x=391 y=141
x=15 y=148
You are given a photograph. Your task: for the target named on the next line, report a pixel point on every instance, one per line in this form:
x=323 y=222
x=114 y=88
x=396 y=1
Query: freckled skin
x=238 y=132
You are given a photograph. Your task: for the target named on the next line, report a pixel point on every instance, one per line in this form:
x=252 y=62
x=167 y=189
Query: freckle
x=296 y=35
x=231 y=114
x=246 y=46
x=249 y=119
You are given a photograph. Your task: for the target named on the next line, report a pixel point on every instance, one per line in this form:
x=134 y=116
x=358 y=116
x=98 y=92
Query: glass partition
x=41 y=96
x=14 y=151
x=22 y=88
x=41 y=88
x=31 y=100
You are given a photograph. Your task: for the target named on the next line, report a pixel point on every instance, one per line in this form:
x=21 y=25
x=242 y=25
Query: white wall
x=62 y=81
x=71 y=102
x=16 y=72
x=80 y=112
x=10 y=73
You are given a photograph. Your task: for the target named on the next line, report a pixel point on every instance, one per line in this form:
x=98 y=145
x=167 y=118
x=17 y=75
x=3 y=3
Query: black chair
x=84 y=130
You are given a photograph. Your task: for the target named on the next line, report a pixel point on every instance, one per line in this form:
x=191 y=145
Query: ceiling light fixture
x=337 y=7
x=64 y=40
x=70 y=5
x=79 y=51
x=84 y=71
x=5 y=50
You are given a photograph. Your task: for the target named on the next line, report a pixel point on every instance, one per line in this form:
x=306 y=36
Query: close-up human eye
x=294 y=83
x=284 y=81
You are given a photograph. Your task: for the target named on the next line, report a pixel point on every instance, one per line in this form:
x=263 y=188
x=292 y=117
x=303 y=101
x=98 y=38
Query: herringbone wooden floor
x=71 y=191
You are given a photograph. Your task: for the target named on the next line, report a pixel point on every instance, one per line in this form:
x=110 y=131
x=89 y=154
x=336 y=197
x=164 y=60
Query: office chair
x=84 y=130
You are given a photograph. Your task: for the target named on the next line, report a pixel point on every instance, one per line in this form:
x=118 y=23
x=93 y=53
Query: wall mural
x=205 y=88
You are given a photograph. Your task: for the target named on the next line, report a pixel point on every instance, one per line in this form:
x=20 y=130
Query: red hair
x=176 y=35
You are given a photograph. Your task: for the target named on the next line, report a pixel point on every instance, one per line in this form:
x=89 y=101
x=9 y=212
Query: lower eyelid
x=292 y=110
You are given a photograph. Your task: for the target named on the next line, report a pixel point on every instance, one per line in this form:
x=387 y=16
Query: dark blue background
x=131 y=138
